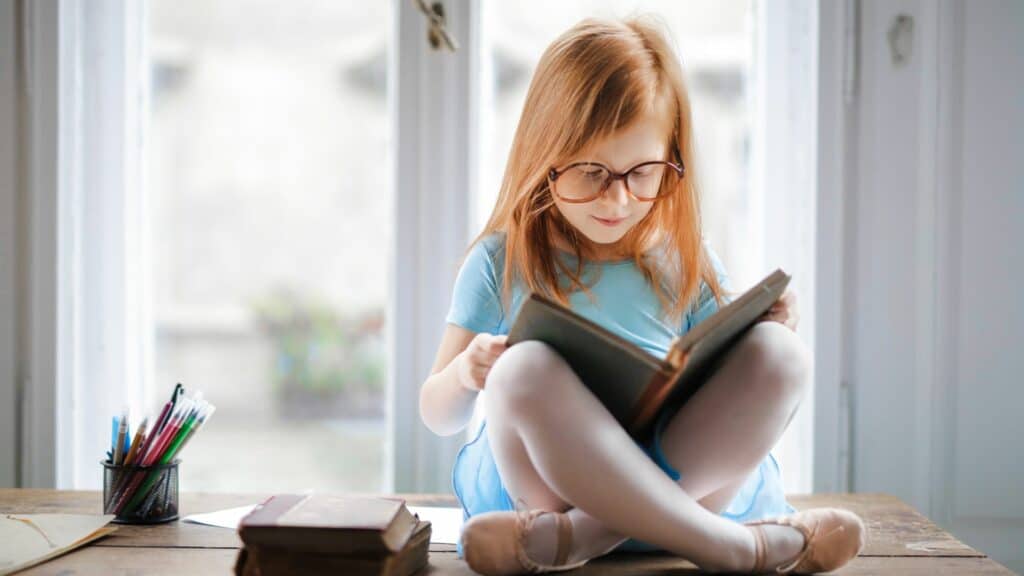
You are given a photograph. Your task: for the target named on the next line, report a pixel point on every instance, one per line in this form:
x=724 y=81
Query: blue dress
x=622 y=302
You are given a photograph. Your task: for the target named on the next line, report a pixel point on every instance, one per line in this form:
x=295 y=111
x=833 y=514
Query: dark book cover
x=320 y=523
x=256 y=560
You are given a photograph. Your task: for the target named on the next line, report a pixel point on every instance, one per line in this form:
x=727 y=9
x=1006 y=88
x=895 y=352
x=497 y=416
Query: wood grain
x=900 y=540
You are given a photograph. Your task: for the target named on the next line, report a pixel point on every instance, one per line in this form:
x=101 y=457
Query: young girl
x=599 y=209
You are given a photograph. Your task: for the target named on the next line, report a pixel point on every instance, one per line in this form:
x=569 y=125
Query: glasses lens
x=582 y=182
x=645 y=181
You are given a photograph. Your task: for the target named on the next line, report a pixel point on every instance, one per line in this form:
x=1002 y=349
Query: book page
x=28 y=539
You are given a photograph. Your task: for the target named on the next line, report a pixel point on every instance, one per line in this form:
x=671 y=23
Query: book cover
x=255 y=560
x=319 y=523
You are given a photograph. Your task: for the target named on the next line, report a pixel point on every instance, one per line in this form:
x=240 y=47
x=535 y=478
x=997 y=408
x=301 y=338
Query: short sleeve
x=706 y=304
x=476 y=297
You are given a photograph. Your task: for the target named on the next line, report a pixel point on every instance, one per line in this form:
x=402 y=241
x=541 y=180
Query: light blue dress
x=623 y=303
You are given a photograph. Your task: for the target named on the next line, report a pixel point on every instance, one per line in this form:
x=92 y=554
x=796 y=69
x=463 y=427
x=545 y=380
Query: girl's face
x=606 y=219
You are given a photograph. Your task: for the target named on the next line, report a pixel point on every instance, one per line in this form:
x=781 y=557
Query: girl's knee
x=525 y=371
x=780 y=358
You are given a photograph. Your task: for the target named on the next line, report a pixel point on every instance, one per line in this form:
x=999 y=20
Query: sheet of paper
x=445 y=523
x=223 y=518
x=28 y=539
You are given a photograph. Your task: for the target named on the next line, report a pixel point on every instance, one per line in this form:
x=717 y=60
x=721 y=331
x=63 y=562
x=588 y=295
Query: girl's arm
x=460 y=370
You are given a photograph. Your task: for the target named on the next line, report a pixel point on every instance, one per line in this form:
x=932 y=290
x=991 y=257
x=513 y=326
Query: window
x=307 y=180
x=270 y=191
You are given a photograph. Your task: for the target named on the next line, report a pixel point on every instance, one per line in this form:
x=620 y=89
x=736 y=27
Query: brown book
x=270 y=561
x=340 y=525
x=632 y=383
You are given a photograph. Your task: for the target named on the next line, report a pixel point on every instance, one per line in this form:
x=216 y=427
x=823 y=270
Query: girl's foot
x=830 y=538
x=518 y=542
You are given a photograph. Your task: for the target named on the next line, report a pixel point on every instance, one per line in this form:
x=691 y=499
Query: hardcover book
x=632 y=383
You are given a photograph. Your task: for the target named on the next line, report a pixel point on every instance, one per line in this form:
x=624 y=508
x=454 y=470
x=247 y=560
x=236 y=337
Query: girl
x=599 y=209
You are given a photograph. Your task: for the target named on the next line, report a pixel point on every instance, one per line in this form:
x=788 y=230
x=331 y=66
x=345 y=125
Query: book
x=29 y=539
x=254 y=560
x=324 y=524
x=632 y=383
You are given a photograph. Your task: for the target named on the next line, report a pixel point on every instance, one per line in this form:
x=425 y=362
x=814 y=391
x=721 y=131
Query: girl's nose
x=616 y=193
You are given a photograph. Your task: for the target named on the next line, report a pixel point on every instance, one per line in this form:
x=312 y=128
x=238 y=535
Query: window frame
x=82 y=240
x=436 y=153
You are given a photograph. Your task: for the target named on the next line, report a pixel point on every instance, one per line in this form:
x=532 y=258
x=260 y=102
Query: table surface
x=900 y=540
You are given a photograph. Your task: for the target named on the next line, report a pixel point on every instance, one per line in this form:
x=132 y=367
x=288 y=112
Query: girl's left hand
x=783 y=311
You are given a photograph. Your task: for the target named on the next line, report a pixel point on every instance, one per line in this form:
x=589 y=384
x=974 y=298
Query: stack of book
x=321 y=534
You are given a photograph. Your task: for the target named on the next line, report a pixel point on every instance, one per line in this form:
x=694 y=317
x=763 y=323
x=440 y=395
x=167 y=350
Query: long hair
x=594 y=79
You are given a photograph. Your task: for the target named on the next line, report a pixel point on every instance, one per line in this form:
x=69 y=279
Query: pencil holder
x=141 y=494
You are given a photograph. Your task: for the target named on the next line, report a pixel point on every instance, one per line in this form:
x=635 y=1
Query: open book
x=28 y=539
x=632 y=383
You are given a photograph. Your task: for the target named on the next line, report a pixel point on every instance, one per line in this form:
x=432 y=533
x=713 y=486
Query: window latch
x=437 y=33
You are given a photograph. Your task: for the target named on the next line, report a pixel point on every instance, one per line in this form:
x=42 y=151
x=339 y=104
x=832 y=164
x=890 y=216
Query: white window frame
x=836 y=79
x=84 y=247
x=784 y=186
x=42 y=377
x=436 y=152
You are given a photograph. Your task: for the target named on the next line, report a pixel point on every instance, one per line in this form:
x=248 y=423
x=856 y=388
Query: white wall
x=935 y=321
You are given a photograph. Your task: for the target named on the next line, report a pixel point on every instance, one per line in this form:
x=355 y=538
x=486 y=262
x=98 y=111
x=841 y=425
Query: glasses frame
x=554 y=174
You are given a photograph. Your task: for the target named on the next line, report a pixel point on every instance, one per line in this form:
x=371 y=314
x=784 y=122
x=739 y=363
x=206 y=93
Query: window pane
x=715 y=41
x=270 y=200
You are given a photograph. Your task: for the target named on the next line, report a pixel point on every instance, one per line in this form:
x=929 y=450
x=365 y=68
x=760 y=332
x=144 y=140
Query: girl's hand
x=476 y=361
x=783 y=311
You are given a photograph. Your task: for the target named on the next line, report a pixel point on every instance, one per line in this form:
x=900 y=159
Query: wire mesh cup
x=141 y=494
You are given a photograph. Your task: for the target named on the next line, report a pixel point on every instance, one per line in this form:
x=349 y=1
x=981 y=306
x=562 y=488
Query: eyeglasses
x=583 y=182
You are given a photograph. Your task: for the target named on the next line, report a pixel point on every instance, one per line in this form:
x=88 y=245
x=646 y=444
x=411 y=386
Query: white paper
x=223 y=518
x=445 y=523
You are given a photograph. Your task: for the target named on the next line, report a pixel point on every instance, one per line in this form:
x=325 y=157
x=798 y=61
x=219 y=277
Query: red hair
x=595 y=79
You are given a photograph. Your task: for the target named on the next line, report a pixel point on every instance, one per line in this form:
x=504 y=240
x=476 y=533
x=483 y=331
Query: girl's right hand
x=476 y=361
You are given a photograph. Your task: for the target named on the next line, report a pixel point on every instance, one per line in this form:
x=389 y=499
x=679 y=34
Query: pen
x=122 y=430
x=140 y=436
x=113 y=438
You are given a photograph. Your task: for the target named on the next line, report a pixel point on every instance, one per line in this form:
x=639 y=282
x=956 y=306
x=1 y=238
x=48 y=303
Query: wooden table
x=900 y=540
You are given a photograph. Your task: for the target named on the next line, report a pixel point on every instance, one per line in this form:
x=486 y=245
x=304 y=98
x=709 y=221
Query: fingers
x=495 y=345
x=484 y=351
x=783 y=311
x=487 y=347
x=783 y=318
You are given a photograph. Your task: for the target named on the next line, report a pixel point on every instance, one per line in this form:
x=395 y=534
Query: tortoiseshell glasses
x=583 y=182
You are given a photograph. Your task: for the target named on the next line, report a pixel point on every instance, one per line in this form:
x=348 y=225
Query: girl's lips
x=609 y=221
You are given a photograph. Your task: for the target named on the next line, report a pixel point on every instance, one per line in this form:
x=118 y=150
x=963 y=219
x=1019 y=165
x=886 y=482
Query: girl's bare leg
x=716 y=439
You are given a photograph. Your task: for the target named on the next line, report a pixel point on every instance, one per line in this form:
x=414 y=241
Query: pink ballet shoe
x=832 y=537
x=494 y=544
